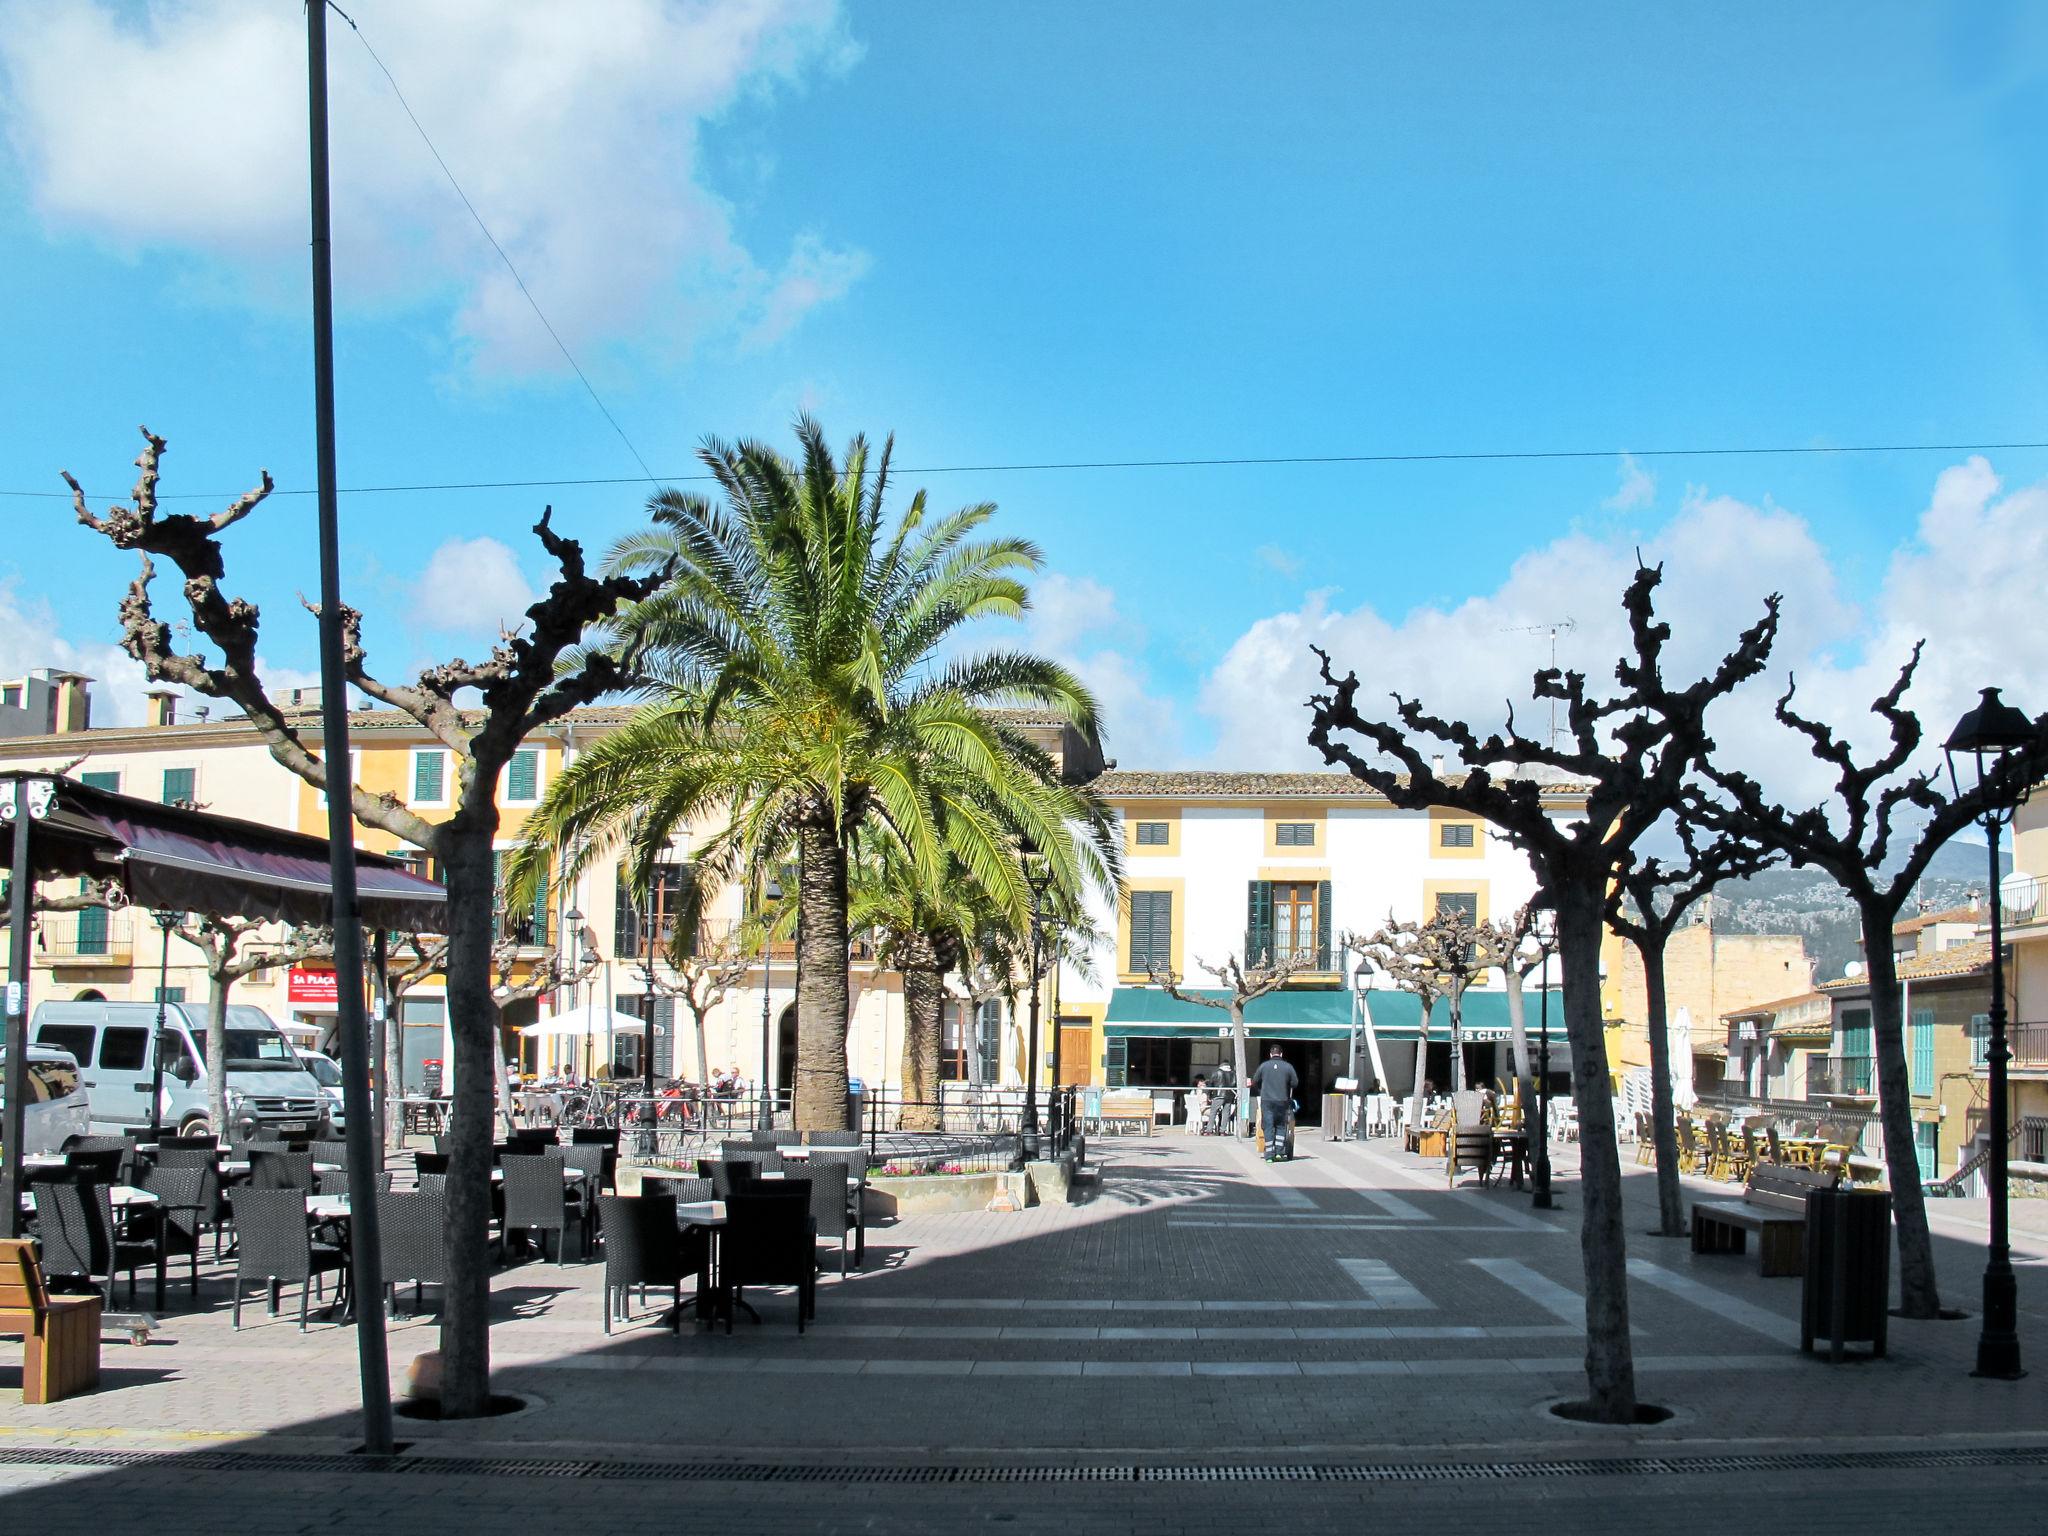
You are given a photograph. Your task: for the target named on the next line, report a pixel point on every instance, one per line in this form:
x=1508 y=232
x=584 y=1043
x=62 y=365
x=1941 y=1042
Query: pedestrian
x=1277 y=1084
x=1198 y=1106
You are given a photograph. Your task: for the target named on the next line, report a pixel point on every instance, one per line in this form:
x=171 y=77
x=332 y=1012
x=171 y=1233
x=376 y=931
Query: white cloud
x=1075 y=620
x=1066 y=608
x=575 y=134
x=1638 y=488
x=1968 y=581
x=29 y=639
x=1278 y=560
x=471 y=586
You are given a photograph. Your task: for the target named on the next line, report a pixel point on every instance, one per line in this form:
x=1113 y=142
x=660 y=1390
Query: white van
x=267 y=1086
x=59 y=1110
x=326 y=1071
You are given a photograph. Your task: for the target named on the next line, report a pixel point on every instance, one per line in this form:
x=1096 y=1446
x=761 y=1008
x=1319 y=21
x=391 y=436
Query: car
x=269 y=1092
x=59 y=1110
x=326 y=1071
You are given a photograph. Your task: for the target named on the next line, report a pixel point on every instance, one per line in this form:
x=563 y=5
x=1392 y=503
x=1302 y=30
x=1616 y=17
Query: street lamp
x=165 y=921
x=1035 y=880
x=1545 y=934
x=1983 y=749
x=771 y=890
x=650 y=1139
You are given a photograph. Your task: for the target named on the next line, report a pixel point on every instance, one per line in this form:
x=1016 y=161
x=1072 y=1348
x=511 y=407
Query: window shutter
x=625 y=923
x=1922 y=1076
x=541 y=914
x=111 y=782
x=427 y=779
x=1258 y=921
x=92 y=931
x=522 y=775
x=664 y=1036
x=1322 y=925
x=1151 y=930
x=180 y=784
x=1116 y=1061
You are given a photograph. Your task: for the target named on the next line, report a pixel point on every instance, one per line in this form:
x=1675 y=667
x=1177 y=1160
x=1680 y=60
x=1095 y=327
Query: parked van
x=58 y=1110
x=267 y=1086
x=326 y=1071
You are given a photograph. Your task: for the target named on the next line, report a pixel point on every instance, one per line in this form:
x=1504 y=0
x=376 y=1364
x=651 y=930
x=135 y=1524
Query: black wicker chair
x=410 y=1228
x=769 y=1239
x=682 y=1191
x=606 y=1136
x=729 y=1175
x=430 y=1162
x=832 y=1138
x=281 y=1170
x=187 y=1203
x=338 y=1181
x=537 y=1200
x=582 y=1194
x=642 y=1248
x=275 y=1245
x=431 y=1183
x=831 y=1208
x=75 y=1225
x=101 y=1163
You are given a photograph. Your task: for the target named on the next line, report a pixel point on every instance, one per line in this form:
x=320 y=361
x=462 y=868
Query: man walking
x=1276 y=1084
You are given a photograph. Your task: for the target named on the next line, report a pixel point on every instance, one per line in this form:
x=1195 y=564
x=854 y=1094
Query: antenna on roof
x=1553 y=629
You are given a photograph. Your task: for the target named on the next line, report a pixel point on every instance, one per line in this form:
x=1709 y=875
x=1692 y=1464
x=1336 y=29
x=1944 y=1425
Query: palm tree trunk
x=1663 y=1103
x=473 y=1024
x=924 y=1001
x=821 y=1005
x=1919 y=1291
x=1603 y=1244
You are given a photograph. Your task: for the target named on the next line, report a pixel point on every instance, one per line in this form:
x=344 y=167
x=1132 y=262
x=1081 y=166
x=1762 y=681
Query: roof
x=1962 y=960
x=1775 y=1005
x=1967 y=914
x=1219 y=784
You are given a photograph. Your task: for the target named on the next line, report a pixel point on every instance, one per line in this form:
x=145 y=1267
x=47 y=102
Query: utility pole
x=364 y=1156
x=1552 y=629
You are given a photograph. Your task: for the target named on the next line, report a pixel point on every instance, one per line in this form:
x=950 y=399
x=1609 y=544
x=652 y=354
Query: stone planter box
x=931 y=1194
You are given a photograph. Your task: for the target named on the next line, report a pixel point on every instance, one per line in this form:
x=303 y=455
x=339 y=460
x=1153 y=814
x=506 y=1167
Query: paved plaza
x=1212 y=1340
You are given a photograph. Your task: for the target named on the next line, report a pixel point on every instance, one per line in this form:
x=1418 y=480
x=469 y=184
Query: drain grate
x=244 y=1462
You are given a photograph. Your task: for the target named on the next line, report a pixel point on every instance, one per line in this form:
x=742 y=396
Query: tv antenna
x=1553 y=629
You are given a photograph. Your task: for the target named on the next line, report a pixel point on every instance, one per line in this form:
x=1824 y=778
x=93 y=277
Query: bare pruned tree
x=1646 y=904
x=233 y=948
x=1526 y=945
x=1875 y=837
x=529 y=680
x=700 y=980
x=1441 y=957
x=1625 y=758
x=1242 y=983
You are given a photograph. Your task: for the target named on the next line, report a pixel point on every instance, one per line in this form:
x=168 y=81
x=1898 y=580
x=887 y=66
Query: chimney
x=163 y=706
x=73 y=711
x=1436 y=765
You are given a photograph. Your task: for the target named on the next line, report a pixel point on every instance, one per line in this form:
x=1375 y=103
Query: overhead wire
x=1479 y=456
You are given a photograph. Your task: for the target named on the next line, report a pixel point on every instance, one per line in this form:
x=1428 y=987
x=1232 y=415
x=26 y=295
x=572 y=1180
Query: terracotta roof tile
x=1962 y=960
x=1217 y=784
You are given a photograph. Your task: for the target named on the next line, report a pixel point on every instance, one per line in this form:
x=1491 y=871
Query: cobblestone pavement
x=1328 y=1325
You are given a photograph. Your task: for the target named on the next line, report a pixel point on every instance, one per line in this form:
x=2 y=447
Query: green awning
x=1322 y=1013
x=1396 y=1014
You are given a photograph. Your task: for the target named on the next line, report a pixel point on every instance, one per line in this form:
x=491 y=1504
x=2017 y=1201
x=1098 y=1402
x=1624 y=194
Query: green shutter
x=1923 y=1050
x=1925 y=1147
x=180 y=784
x=111 y=782
x=92 y=931
x=1116 y=1061
x=1258 y=921
x=522 y=775
x=428 y=782
x=1323 y=925
x=1151 y=930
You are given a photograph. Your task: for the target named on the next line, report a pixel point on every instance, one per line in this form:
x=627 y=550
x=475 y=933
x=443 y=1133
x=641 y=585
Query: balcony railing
x=1847 y=1076
x=711 y=934
x=95 y=936
x=2020 y=897
x=527 y=930
x=2029 y=1044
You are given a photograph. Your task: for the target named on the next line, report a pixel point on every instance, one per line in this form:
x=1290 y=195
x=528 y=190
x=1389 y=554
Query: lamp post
x=1539 y=1139
x=1056 y=1094
x=1983 y=748
x=1027 y=1128
x=771 y=890
x=165 y=922
x=650 y=1139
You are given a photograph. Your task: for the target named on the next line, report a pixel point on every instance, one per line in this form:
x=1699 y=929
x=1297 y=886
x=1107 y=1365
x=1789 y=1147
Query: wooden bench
x=1773 y=1205
x=60 y=1334
x=1128 y=1112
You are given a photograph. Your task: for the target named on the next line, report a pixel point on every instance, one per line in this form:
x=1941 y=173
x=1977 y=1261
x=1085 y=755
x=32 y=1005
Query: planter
x=931 y=1194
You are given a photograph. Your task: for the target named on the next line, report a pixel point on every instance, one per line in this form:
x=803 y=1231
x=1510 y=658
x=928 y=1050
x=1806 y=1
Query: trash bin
x=1335 y=1105
x=856 y=1105
x=1846 y=1295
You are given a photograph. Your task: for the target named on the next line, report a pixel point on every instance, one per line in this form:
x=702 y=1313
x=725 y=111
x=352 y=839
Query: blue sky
x=1072 y=232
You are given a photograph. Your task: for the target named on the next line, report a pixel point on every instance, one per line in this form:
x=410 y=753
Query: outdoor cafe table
x=122 y=1197
x=708 y=1216
x=1514 y=1147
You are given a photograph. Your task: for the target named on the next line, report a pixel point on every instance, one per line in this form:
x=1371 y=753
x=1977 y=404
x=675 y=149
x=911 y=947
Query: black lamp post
x=1983 y=748
x=771 y=890
x=1027 y=1128
x=165 y=922
x=650 y=1138
x=1055 y=1091
x=1539 y=1136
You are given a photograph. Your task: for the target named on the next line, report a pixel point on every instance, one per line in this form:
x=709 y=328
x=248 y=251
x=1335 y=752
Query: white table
x=122 y=1197
x=700 y=1213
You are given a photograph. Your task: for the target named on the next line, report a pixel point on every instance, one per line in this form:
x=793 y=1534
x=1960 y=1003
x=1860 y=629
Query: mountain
x=1810 y=904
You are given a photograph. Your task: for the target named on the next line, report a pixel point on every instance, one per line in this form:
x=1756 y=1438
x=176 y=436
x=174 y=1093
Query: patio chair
x=186 y=1200
x=431 y=1184
x=187 y=1143
x=682 y=1191
x=535 y=1136
x=75 y=1225
x=784 y=1138
x=728 y=1176
x=275 y=1245
x=582 y=1193
x=644 y=1247
x=100 y=1164
x=764 y=1161
x=1646 y=1140
x=607 y=1137
x=830 y=1208
x=340 y=1181
x=281 y=1170
x=832 y=1138
x=770 y=1239
x=411 y=1229
x=1688 y=1146
x=537 y=1199
x=430 y=1163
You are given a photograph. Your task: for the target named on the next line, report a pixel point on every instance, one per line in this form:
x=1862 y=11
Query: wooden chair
x=60 y=1334
x=1646 y=1141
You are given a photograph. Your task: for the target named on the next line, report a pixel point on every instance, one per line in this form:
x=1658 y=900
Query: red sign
x=304 y=986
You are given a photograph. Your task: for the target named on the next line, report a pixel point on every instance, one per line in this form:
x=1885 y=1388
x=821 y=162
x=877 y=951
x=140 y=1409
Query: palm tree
x=805 y=660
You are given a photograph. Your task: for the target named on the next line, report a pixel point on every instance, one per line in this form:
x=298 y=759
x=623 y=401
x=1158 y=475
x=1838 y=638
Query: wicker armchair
x=274 y=1245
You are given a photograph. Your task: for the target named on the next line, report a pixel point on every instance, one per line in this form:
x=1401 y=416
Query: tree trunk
x=1457 y=997
x=702 y=1016
x=1245 y=1126
x=217 y=1054
x=819 y=1101
x=473 y=1025
x=1603 y=1244
x=1663 y=1102
x=1518 y=1038
x=924 y=1001
x=1421 y=1095
x=391 y=1073
x=1919 y=1292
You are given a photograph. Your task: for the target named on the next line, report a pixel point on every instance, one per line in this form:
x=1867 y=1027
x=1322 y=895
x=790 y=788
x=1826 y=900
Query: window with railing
x=669 y=902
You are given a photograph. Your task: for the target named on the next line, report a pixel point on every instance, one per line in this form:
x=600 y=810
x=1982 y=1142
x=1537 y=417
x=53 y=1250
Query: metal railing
x=2029 y=1044
x=94 y=936
x=1850 y=1076
x=2020 y=896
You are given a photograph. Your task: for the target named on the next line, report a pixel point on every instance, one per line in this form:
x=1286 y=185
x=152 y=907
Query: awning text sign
x=310 y=986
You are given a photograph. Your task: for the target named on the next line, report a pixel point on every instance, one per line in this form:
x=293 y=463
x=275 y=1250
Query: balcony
x=90 y=938
x=711 y=935
x=2029 y=1044
x=2019 y=897
x=527 y=930
x=1841 y=1077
